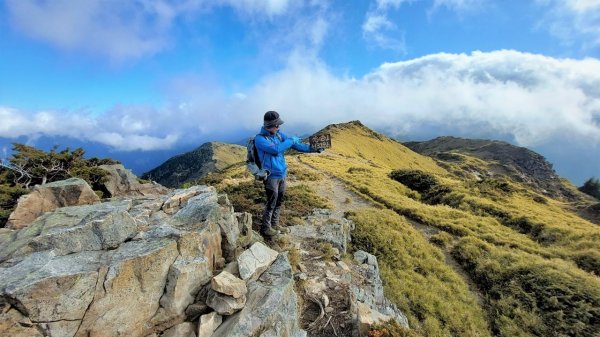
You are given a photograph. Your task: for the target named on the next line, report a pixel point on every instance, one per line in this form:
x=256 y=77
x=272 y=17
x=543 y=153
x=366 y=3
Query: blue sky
x=141 y=76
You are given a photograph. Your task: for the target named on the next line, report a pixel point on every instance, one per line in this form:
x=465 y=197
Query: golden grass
x=435 y=299
x=509 y=217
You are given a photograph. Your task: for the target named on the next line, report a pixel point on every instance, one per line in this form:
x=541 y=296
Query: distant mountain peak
x=191 y=166
x=519 y=163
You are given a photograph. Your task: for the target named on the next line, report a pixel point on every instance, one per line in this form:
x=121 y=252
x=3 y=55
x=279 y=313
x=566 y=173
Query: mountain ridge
x=193 y=165
x=505 y=159
x=514 y=242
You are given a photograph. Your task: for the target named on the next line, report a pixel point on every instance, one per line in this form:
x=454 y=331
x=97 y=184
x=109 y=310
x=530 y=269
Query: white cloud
x=380 y=31
x=122 y=30
x=117 y=29
x=534 y=98
x=573 y=21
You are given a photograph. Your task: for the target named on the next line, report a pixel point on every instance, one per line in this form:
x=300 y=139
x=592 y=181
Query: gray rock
x=48 y=197
x=224 y=304
x=14 y=324
x=185 y=278
x=74 y=229
x=60 y=328
x=271 y=308
x=122 y=182
x=361 y=256
x=255 y=260
x=338 y=233
x=208 y=324
x=226 y=283
x=366 y=317
x=179 y=198
x=193 y=311
x=229 y=228
x=52 y=288
x=132 y=285
x=232 y=268
x=371 y=293
x=245 y=228
x=181 y=330
x=116 y=268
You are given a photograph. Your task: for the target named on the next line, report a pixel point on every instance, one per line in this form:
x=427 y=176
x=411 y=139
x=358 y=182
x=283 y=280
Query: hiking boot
x=281 y=229
x=269 y=232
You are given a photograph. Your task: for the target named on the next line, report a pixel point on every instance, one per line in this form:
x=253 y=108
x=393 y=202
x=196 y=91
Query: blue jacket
x=270 y=148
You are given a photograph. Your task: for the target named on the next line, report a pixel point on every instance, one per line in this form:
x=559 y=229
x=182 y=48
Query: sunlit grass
x=548 y=242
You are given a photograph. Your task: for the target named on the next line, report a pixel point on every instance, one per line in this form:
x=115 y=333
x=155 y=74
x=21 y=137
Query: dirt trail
x=343 y=200
x=334 y=190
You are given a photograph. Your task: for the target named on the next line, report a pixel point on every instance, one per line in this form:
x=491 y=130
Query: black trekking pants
x=275 y=190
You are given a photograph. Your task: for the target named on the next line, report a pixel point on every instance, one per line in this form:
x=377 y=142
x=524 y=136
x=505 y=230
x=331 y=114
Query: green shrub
x=591 y=187
x=495 y=186
x=415 y=179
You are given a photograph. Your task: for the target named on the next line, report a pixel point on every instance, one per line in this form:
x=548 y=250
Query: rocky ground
x=182 y=263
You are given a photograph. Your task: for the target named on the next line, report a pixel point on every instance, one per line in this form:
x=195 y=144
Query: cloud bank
x=532 y=98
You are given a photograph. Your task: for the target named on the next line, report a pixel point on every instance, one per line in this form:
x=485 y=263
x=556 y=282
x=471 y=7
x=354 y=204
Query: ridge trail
x=334 y=190
x=344 y=199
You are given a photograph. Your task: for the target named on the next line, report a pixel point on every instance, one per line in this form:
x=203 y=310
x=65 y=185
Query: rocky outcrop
x=321 y=224
x=339 y=298
x=121 y=268
x=48 y=197
x=178 y=264
x=270 y=306
x=122 y=182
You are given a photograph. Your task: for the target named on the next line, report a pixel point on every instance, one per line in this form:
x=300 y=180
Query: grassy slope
x=534 y=260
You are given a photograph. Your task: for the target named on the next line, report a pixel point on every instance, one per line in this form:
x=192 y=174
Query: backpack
x=253 y=162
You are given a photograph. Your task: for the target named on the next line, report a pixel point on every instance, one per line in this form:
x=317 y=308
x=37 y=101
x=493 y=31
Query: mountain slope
x=471 y=254
x=503 y=159
x=532 y=258
x=193 y=165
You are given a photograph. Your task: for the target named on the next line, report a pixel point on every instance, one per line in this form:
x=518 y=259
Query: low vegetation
x=248 y=195
x=28 y=167
x=436 y=301
x=535 y=261
x=591 y=187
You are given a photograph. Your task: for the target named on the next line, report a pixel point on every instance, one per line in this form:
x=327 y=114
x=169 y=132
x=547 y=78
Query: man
x=270 y=145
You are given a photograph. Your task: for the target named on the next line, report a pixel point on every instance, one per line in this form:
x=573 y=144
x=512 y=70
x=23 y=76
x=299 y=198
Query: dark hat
x=272 y=119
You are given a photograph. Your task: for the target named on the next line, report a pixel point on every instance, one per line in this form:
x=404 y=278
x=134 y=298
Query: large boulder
x=122 y=182
x=48 y=197
x=129 y=290
x=122 y=267
x=74 y=229
x=271 y=306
